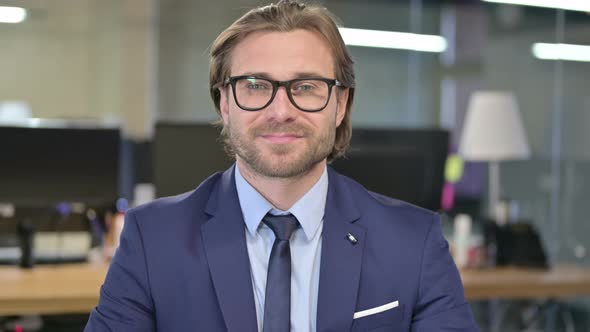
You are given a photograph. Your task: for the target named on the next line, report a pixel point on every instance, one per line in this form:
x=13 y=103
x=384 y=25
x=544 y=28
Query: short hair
x=285 y=16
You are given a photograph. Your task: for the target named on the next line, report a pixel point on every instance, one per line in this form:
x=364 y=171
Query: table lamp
x=493 y=132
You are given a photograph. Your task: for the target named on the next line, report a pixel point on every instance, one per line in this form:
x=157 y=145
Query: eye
x=256 y=84
x=304 y=86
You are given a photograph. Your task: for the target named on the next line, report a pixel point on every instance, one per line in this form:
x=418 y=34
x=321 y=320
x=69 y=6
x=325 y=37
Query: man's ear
x=342 y=102
x=223 y=105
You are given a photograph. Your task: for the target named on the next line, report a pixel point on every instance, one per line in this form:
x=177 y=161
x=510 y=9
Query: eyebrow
x=269 y=76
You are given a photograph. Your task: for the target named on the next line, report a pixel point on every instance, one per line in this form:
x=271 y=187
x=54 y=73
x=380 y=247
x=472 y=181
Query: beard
x=282 y=160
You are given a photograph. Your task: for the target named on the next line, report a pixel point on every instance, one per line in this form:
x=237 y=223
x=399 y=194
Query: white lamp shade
x=493 y=129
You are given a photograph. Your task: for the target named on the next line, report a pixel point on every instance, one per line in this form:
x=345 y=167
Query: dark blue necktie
x=277 y=306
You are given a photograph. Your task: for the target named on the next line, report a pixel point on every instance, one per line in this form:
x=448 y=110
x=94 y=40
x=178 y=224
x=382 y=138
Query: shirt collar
x=309 y=209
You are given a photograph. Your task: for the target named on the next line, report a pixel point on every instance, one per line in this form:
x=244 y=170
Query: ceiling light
x=396 y=40
x=561 y=52
x=12 y=14
x=578 y=5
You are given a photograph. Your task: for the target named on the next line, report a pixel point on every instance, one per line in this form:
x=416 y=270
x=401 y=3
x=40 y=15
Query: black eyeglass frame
x=275 y=87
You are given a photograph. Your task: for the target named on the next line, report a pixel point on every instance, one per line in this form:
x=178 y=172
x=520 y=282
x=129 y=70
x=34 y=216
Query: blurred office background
x=130 y=64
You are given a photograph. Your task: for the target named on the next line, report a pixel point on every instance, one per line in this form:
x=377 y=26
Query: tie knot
x=283 y=226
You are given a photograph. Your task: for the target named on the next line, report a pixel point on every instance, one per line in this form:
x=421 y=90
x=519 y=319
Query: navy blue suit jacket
x=183 y=265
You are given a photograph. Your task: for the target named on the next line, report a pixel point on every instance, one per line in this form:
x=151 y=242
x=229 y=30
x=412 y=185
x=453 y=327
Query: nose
x=281 y=109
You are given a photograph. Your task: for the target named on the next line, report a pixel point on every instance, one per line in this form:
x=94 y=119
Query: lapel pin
x=351 y=238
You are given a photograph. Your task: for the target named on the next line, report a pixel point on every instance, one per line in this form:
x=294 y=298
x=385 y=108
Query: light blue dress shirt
x=306 y=248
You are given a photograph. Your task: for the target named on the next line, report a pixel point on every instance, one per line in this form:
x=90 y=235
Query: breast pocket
x=387 y=320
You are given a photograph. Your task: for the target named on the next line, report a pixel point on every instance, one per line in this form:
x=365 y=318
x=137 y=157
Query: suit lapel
x=341 y=259
x=227 y=254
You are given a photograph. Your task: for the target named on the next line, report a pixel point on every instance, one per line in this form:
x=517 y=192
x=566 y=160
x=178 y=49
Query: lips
x=281 y=138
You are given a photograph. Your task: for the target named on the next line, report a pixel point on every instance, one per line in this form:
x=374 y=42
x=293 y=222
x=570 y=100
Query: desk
x=50 y=289
x=75 y=288
x=520 y=283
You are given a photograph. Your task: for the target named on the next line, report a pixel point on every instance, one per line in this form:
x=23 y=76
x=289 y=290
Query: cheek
x=319 y=123
x=239 y=118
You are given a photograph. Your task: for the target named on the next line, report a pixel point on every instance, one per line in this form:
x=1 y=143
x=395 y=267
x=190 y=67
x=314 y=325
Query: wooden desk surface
x=50 y=289
x=521 y=283
x=75 y=288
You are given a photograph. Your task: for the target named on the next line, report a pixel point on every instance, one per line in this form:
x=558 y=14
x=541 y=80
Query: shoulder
x=178 y=207
x=383 y=211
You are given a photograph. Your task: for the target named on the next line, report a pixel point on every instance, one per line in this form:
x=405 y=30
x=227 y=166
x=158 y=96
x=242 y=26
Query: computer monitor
x=42 y=166
x=185 y=154
x=406 y=164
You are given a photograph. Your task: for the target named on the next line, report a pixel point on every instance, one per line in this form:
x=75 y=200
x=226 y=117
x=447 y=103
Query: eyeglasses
x=253 y=93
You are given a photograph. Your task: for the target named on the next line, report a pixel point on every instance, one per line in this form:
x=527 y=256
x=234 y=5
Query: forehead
x=283 y=55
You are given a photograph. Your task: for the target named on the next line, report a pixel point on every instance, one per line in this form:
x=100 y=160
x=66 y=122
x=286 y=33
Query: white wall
x=82 y=59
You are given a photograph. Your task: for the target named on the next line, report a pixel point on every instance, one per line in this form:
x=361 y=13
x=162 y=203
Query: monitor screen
x=43 y=166
x=185 y=154
x=406 y=164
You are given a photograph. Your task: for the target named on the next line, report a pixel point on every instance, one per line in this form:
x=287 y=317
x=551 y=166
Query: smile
x=280 y=138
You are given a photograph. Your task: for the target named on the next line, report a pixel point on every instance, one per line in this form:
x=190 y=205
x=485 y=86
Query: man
x=280 y=241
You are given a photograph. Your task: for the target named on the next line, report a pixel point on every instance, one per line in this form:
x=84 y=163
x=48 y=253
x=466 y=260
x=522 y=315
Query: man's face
x=281 y=141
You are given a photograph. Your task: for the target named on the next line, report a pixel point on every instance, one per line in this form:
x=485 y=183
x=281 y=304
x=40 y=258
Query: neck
x=282 y=193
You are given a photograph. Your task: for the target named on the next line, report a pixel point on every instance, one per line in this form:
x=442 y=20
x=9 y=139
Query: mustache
x=272 y=128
